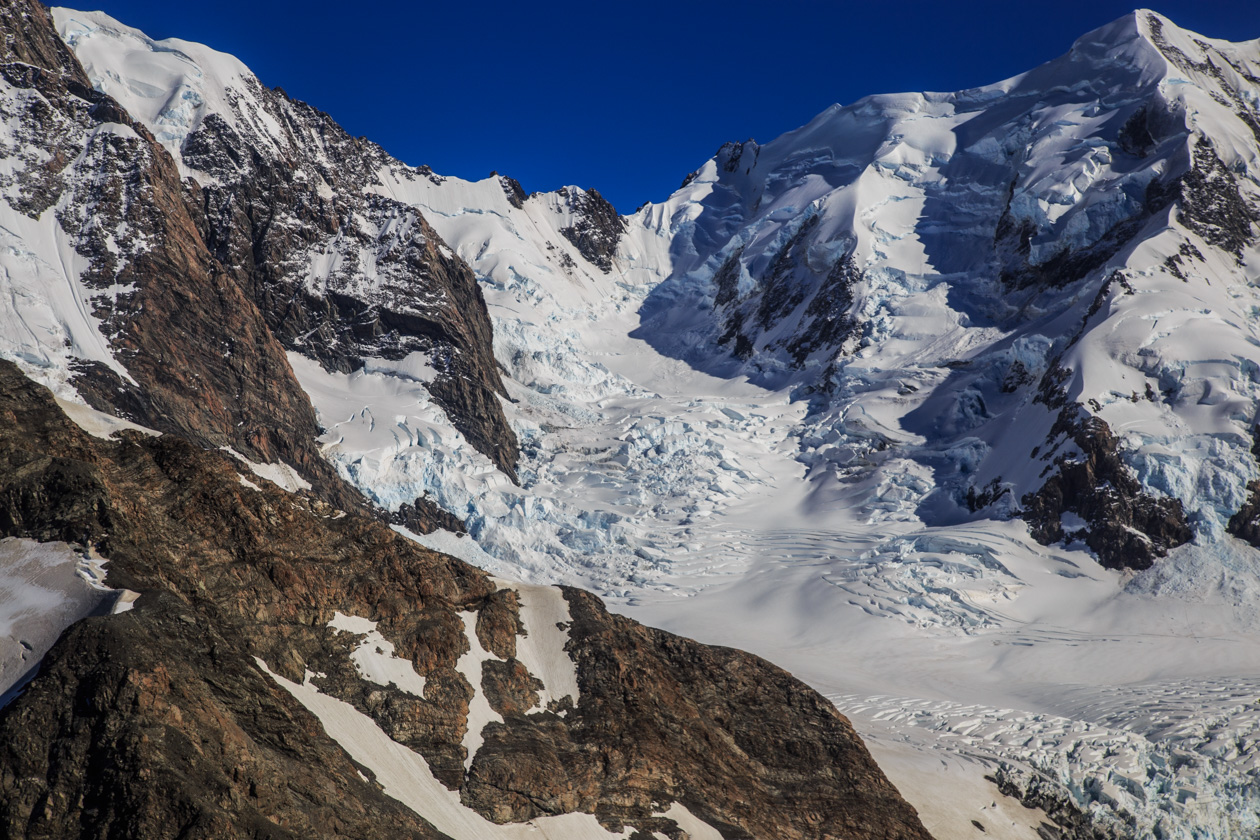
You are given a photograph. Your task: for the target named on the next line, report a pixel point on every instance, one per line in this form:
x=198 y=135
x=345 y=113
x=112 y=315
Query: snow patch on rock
x=374 y=655
x=480 y=712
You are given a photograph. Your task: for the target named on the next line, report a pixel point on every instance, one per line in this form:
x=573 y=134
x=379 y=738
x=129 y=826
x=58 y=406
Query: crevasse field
x=810 y=510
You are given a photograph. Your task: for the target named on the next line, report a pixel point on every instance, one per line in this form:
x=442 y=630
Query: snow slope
x=799 y=410
x=44 y=588
x=49 y=317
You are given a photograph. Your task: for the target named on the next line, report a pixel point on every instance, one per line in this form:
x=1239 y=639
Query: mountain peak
x=1144 y=33
x=891 y=399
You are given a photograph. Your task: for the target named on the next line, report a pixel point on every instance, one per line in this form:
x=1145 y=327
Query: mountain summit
x=946 y=401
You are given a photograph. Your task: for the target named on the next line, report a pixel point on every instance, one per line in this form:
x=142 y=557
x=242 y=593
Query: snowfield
x=44 y=588
x=760 y=426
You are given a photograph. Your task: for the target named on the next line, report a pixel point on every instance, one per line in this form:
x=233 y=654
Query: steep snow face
x=170 y=85
x=53 y=308
x=44 y=588
x=800 y=406
x=918 y=264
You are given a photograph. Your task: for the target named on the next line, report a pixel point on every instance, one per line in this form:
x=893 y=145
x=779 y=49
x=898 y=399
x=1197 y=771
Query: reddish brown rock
x=169 y=692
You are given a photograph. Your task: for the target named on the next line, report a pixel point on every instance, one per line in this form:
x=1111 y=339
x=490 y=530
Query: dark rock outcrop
x=1125 y=527
x=512 y=188
x=733 y=156
x=1071 y=822
x=830 y=323
x=825 y=323
x=1245 y=524
x=424 y=517
x=156 y=723
x=1209 y=202
x=597 y=226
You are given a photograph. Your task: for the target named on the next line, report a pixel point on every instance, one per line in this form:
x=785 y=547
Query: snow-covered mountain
x=1066 y=254
x=945 y=401
x=206 y=632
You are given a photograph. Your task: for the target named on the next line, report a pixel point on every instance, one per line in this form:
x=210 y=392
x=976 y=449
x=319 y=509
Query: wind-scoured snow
x=760 y=427
x=480 y=712
x=374 y=655
x=98 y=423
x=279 y=473
x=545 y=615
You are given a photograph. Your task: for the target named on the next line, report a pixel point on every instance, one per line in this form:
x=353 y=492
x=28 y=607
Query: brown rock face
x=204 y=362
x=1126 y=528
x=212 y=295
x=742 y=744
x=156 y=723
x=597 y=228
x=274 y=204
x=123 y=735
x=34 y=42
x=1245 y=524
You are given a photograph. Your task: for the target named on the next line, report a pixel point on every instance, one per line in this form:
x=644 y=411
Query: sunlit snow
x=813 y=514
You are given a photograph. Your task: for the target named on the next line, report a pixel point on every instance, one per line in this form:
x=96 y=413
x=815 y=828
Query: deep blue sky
x=626 y=97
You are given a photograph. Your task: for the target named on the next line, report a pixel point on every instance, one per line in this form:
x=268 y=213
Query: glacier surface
x=691 y=457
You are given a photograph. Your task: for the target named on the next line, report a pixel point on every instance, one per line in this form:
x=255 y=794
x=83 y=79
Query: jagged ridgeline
x=284 y=664
x=970 y=377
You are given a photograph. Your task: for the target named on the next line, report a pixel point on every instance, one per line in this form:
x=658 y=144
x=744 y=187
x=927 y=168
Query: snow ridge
x=801 y=405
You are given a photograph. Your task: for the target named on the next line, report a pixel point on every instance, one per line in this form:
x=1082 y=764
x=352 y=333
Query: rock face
x=1245 y=524
x=340 y=272
x=1123 y=525
x=157 y=722
x=189 y=352
x=597 y=227
x=199 y=285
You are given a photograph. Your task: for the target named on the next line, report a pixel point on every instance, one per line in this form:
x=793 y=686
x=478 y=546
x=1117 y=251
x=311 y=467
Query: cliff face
x=173 y=719
x=341 y=272
x=296 y=214
x=181 y=300
x=179 y=343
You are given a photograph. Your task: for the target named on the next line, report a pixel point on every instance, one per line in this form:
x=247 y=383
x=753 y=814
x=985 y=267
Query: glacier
x=798 y=411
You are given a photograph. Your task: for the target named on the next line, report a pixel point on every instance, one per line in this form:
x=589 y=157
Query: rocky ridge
x=180 y=346
x=341 y=273
x=196 y=741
